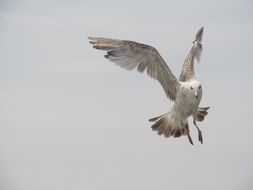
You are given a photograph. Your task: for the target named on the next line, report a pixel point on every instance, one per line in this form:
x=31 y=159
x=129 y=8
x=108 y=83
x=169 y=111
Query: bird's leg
x=199 y=131
x=188 y=133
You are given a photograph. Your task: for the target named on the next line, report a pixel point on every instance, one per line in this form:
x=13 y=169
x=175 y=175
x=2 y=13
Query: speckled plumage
x=185 y=92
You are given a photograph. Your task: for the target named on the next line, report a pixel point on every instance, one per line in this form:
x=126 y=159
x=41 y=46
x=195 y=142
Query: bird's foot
x=199 y=132
x=200 y=137
x=190 y=139
x=188 y=133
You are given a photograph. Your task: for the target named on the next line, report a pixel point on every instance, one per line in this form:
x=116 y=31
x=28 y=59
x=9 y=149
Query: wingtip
x=91 y=40
x=201 y=30
x=200 y=34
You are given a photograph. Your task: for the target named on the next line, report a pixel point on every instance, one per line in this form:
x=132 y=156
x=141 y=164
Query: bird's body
x=186 y=104
x=187 y=101
x=185 y=92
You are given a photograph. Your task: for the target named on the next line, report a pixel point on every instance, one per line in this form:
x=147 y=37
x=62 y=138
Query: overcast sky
x=69 y=119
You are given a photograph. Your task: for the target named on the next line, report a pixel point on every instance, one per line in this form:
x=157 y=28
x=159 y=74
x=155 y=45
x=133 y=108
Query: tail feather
x=169 y=125
x=156 y=118
x=201 y=113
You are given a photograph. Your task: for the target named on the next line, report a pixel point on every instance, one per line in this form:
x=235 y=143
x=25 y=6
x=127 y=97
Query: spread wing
x=187 y=72
x=130 y=55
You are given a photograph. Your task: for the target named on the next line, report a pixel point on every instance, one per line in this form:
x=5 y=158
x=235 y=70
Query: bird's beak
x=196 y=95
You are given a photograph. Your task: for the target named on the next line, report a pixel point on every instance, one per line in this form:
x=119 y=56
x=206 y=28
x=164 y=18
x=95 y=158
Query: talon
x=200 y=137
x=190 y=139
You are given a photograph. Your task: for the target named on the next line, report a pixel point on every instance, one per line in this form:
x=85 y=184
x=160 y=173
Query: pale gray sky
x=69 y=119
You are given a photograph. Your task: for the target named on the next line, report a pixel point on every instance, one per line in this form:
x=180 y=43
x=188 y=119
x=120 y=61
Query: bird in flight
x=186 y=92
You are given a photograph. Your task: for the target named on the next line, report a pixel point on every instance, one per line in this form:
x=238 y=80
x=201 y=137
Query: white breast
x=186 y=102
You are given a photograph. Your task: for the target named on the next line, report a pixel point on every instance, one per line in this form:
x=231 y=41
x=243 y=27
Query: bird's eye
x=191 y=88
x=199 y=86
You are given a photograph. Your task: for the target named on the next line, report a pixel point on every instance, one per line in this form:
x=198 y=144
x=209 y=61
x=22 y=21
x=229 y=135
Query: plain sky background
x=71 y=120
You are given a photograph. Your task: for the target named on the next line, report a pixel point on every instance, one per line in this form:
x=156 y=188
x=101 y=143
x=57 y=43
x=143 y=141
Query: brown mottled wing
x=130 y=55
x=187 y=72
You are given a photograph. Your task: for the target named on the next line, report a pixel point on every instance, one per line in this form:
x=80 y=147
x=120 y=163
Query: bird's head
x=196 y=89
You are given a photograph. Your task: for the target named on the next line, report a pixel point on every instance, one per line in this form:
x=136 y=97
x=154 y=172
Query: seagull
x=185 y=92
